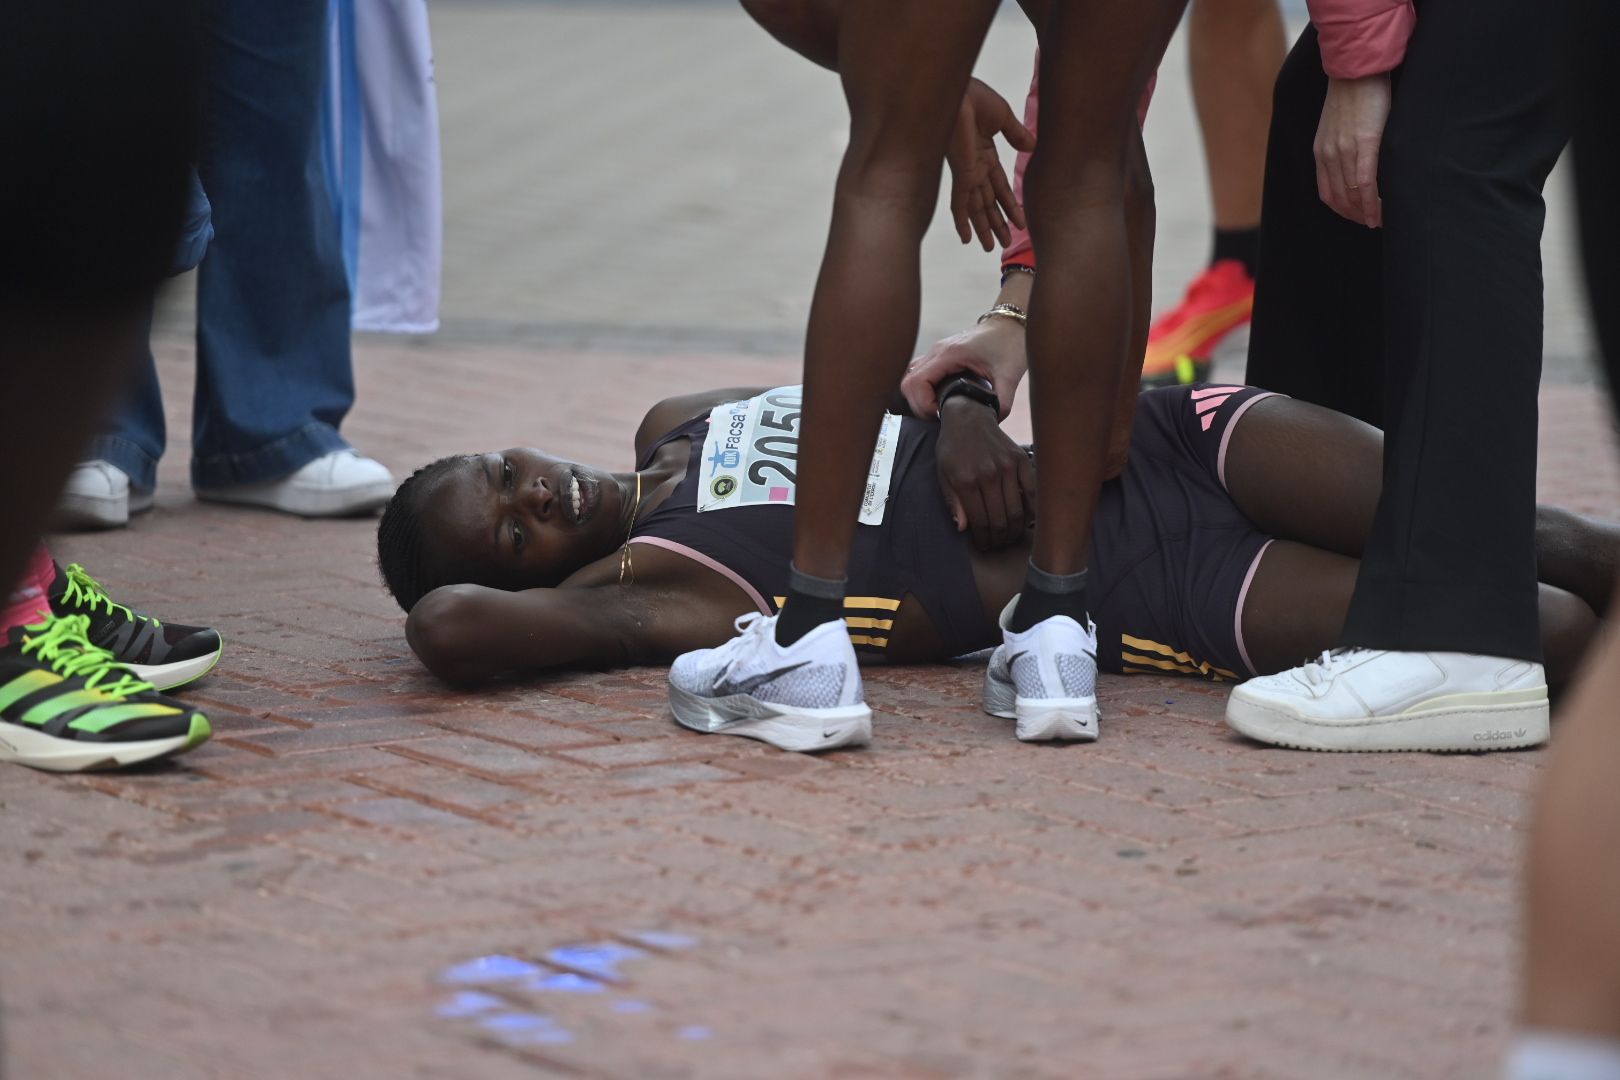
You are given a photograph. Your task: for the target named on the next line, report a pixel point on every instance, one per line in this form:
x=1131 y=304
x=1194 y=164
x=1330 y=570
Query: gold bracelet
x=1007 y=311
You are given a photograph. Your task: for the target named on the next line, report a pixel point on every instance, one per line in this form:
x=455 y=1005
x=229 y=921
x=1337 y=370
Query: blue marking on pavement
x=599 y=958
x=468 y=1003
x=632 y=1005
x=694 y=1033
x=496 y=968
x=565 y=982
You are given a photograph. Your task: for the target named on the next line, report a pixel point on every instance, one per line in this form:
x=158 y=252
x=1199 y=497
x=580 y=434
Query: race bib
x=751 y=456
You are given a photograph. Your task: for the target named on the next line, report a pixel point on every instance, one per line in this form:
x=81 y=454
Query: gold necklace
x=625 y=566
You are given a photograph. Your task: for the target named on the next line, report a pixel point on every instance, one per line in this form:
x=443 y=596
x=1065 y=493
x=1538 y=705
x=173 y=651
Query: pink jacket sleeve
x=1362 y=37
x=1020 y=251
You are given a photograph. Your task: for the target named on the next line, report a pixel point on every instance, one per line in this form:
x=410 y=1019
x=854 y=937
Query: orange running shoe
x=1182 y=340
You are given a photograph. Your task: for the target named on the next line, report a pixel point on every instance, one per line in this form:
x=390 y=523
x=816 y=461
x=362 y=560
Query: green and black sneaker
x=67 y=706
x=167 y=655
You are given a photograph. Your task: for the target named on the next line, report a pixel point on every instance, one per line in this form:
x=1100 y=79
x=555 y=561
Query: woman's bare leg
x=1089 y=206
x=904 y=66
x=1296 y=604
x=1572 y=967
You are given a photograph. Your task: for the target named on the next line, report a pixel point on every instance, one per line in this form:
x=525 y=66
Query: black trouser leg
x=1475 y=128
x=1317 y=333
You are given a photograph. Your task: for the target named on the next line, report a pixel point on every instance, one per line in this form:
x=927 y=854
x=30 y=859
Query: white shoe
x=98 y=495
x=807 y=696
x=1045 y=678
x=1367 y=699
x=334 y=485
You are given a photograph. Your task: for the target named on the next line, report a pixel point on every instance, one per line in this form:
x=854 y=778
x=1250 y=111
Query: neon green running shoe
x=167 y=655
x=67 y=706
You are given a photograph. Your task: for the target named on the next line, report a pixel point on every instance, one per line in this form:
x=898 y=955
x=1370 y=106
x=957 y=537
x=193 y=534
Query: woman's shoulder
x=671 y=413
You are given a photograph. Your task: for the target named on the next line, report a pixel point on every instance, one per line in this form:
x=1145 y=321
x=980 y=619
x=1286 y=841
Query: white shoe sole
x=170 y=676
x=304 y=502
x=1048 y=719
x=38 y=750
x=1000 y=698
x=1043 y=719
x=89 y=512
x=1465 y=728
x=799 y=730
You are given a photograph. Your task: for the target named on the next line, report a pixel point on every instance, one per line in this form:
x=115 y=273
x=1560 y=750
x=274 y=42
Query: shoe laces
x=1325 y=667
x=85 y=591
x=60 y=642
x=752 y=625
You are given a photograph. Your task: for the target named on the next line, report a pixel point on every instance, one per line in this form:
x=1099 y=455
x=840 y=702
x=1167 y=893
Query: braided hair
x=409 y=567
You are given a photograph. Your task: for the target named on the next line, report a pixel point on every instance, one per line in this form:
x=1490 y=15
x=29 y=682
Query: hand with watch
x=987 y=479
x=993 y=348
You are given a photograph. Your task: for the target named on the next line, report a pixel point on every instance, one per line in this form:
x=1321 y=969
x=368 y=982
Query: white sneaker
x=1045 y=678
x=805 y=697
x=334 y=485
x=98 y=495
x=1367 y=699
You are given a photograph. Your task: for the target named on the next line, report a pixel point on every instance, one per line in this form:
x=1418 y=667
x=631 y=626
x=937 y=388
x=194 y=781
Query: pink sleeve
x=1362 y=37
x=1020 y=252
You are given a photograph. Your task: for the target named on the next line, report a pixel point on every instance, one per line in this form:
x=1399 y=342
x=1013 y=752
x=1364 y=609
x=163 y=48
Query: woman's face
x=516 y=519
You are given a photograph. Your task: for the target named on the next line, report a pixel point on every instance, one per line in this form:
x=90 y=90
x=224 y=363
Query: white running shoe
x=98 y=495
x=1368 y=699
x=338 y=484
x=1045 y=678
x=806 y=696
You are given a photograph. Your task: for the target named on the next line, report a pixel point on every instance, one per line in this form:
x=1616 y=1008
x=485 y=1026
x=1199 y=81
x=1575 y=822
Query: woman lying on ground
x=1227 y=548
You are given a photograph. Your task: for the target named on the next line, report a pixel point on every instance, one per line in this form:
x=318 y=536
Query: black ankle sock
x=1240 y=244
x=1046 y=595
x=810 y=602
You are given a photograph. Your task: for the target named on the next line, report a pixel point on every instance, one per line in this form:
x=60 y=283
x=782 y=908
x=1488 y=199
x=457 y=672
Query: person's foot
x=1182 y=340
x=98 y=495
x=1045 y=678
x=339 y=484
x=67 y=706
x=1368 y=699
x=806 y=696
x=167 y=655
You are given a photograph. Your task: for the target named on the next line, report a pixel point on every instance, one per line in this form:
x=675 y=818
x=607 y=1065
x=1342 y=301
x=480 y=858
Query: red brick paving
x=1169 y=902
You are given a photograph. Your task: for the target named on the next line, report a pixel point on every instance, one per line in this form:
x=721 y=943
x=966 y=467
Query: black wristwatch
x=969 y=386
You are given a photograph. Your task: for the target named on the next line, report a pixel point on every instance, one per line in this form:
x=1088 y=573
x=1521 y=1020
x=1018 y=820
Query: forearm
x=469 y=633
x=808 y=27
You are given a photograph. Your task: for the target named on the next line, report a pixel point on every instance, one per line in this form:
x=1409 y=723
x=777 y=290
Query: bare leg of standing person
x=1234 y=50
x=1090 y=214
x=905 y=65
x=1570 y=996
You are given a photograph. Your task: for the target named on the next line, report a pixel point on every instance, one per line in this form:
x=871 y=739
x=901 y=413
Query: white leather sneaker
x=338 y=484
x=98 y=495
x=1369 y=699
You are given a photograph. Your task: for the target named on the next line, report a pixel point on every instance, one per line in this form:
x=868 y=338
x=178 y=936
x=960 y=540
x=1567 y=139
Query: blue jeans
x=274 y=374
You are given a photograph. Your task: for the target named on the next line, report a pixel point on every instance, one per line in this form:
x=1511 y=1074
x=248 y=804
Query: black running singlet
x=916 y=551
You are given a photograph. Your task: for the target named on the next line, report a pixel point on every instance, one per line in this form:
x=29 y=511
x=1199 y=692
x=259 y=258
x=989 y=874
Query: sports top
x=915 y=551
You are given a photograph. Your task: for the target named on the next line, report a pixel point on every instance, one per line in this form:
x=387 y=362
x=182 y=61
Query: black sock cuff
x=1056 y=584
x=1240 y=244
x=809 y=585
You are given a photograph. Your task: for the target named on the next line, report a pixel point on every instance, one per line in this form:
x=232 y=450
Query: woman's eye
x=506 y=472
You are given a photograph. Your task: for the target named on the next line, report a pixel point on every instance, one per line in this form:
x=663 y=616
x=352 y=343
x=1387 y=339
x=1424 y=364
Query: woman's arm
x=469 y=633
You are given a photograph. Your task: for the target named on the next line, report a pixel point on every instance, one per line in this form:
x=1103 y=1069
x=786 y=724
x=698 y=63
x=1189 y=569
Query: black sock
x=1046 y=595
x=810 y=602
x=1240 y=244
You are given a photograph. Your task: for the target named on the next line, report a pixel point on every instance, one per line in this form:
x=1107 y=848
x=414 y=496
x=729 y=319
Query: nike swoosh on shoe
x=724 y=688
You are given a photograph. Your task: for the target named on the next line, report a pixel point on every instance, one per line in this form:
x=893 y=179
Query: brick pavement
x=287 y=901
